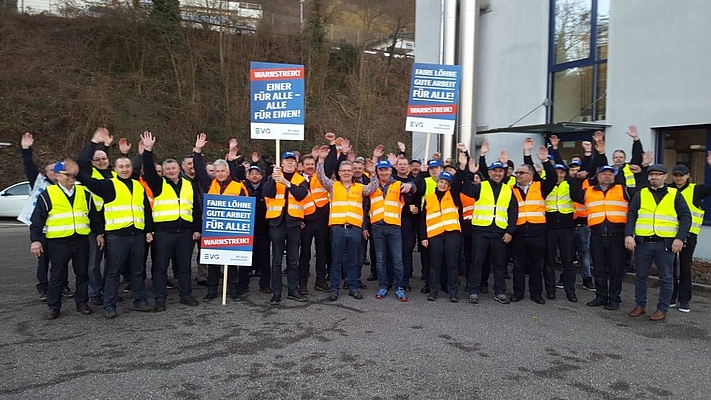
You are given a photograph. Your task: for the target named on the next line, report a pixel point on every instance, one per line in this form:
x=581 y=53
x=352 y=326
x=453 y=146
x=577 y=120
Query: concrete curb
x=653 y=281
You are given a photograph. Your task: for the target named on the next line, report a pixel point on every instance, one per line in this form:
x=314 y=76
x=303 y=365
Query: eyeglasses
x=100 y=159
x=68 y=175
x=521 y=172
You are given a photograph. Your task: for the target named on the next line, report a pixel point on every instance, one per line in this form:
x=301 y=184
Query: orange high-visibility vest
x=387 y=209
x=233 y=188
x=317 y=197
x=610 y=205
x=149 y=192
x=467 y=206
x=580 y=210
x=276 y=204
x=532 y=210
x=347 y=205
x=441 y=216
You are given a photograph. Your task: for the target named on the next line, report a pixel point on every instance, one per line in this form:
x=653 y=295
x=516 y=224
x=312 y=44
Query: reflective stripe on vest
x=630 y=181
x=98 y=201
x=347 y=205
x=65 y=219
x=171 y=207
x=532 y=210
x=581 y=211
x=559 y=199
x=317 y=197
x=656 y=219
x=441 y=216
x=486 y=211
x=127 y=208
x=276 y=204
x=389 y=208
x=697 y=214
x=610 y=205
x=467 y=206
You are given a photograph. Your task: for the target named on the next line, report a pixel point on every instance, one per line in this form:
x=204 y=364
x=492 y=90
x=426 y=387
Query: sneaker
x=361 y=285
x=356 y=294
x=43 y=297
x=97 y=301
x=474 y=298
x=431 y=297
x=400 y=294
x=333 y=296
x=170 y=285
x=276 y=300
x=453 y=299
x=189 y=301
x=110 y=313
x=381 y=293
x=425 y=289
x=66 y=292
x=297 y=297
x=501 y=298
x=589 y=285
x=684 y=307
x=673 y=305
x=560 y=284
x=236 y=297
x=127 y=289
x=143 y=307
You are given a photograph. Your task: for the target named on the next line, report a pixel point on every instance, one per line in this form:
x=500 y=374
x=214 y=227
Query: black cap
x=657 y=168
x=680 y=169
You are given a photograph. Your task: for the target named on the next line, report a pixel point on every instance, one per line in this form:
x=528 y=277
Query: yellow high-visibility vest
x=127 y=208
x=170 y=207
x=559 y=199
x=65 y=219
x=487 y=211
x=697 y=214
x=656 y=219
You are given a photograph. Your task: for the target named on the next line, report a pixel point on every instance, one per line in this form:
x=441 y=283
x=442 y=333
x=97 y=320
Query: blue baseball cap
x=497 y=164
x=575 y=163
x=59 y=167
x=383 y=164
x=446 y=176
x=434 y=163
x=255 y=168
x=416 y=160
x=288 y=154
x=561 y=166
x=606 y=168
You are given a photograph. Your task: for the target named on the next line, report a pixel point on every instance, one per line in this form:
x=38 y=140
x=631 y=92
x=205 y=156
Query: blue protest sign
x=227 y=230
x=277 y=101
x=434 y=95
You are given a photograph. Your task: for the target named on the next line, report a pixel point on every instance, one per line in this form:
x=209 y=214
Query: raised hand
x=314 y=152
x=647 y=158
x=148 y=140
x=598 y=136
x=484 y=148
x=109 y=139
x=101 y=135
x=378 y=151
x=542 y=154
x=555 y=141
x=636 y=169
x=504 y=157
x=124 y=146
x=587 y=146
x=392 y=158
x=462 y=159
x=582 y=174
x=234 y=144
x=473 y=166
x=255 y=157
x=461 y=147
x=330 y=137
x=351 y=156
x=600 y=146
x=436 y=155
x=346 y=146
x=401 y=146
x=528 y=146
x=370 y=167
x=322 y=152
x=200 y=142
x=27 y=140
x=232 y=154
x=632 y=132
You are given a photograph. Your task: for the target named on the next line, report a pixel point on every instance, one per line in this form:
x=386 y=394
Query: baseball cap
x=446 y=176
x=416 y=160
x=59 y=167
x=606 y=168
x=680 y=169
x=657 y=168
x=360 y=159
x=575 y=163
x=288 y=154
x=434 y=163
x=496 y=164
x=561 y=166
x=254 y=167
x=383 y=164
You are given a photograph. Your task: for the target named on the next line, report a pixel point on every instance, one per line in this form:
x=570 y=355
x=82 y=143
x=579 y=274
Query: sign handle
x=277 y=157
x=224 y=284
x=427 y=148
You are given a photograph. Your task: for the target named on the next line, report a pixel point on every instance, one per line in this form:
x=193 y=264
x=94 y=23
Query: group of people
x=468 y=218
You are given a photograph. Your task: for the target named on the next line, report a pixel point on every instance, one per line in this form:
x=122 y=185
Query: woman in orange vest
x=440 y=226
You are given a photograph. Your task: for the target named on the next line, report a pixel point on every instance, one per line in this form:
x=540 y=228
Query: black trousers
x=562 y=240
x=528 y=256
x=60 y=253
x=487 y=245
x=316 y=231
x=682 y=271
x=289 y=238
x=609 y=255
x=178 y=248
x=445 y=247
x=260 y=259
x=407 y=227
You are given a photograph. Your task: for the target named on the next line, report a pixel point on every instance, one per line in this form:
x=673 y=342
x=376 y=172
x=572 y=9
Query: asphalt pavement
x=348 y=349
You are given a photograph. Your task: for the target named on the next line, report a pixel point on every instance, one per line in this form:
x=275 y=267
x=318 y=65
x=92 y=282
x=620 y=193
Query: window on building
x=578 y=75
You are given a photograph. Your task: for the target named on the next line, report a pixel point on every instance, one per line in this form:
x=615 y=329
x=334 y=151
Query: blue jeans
x=345 y=249
x=582 y=244
x=664 y=259
x=388 y=240
x=124 y=251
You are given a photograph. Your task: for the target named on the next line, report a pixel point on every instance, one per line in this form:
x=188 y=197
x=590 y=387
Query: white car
x=13 y=199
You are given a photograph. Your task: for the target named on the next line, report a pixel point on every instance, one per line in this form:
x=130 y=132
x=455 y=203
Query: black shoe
x=371 y=278
x=425 y=289
x=97 y=301
x=322 y=287
x=189 y=301
x=589 y=286
x=236 y=297
x=453 y=299
x=345 y=285
x=550 y=296
x=514 y=299
x=53 y=313
x=333 y=296
x=538 y=300
x=209 y=297
x=127 y=289
x=431 y=297
x=43 y=297
x=356 y=294
x=361 y=285
x=110 y=313
x=612 y=306
x=160 y=307
x=297 y=297
x=265 y=290
x=66 y=292
x=201 y=283
x=572 y=298
x=276 y=300
x=143 y=307
x=408 y=288
x=560 y=284
x=596 y=302
x=170 y=285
